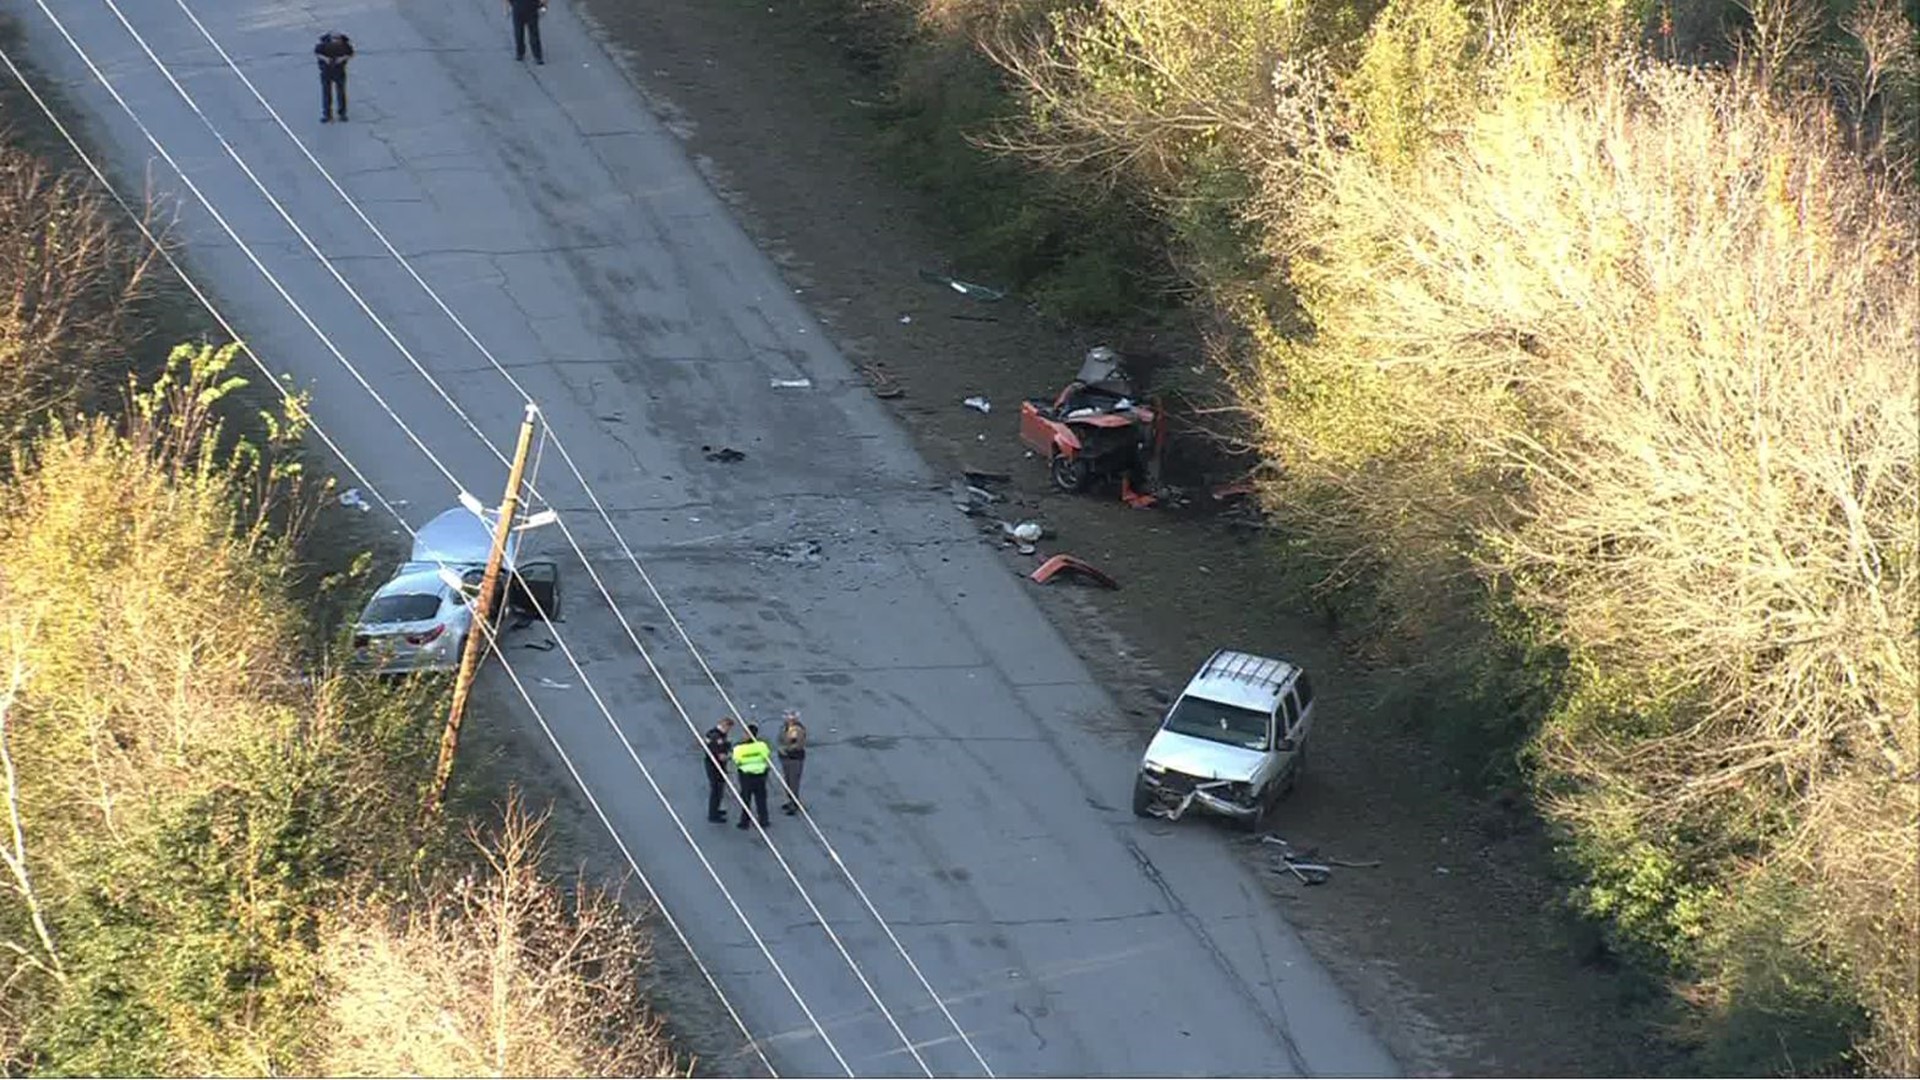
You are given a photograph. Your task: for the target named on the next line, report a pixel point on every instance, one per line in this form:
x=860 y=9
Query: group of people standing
x=751 y=759
x=335 y=49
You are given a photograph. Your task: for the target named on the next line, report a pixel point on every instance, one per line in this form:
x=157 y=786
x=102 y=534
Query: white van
x=1232 y=744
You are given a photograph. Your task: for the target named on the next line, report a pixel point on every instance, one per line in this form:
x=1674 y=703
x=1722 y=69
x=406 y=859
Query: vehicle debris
x=881 y=383
x=1064 y=563
x=970 y=499
x=1139 y=500
x=983 y=477
x=1023 y=535
x=1235 y=490
x=726 y=455
x=978 y=404
x=797 y=552
x=1308 y=866
x=965 y=288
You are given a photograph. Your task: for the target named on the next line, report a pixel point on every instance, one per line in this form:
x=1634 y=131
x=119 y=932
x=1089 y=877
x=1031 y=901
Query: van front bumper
x=1177 y=793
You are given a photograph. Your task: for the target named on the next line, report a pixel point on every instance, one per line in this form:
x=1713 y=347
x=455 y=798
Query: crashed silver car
x=419 y=620
x=1232 y=744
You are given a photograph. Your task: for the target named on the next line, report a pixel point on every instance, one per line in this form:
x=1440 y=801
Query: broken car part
x=1064 y=563
x=964 y=288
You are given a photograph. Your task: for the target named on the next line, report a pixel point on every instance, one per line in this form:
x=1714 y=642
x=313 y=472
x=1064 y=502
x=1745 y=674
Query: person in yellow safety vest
x=751 y=759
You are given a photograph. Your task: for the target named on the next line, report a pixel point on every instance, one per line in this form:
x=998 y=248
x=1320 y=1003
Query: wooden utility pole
x=482 y=632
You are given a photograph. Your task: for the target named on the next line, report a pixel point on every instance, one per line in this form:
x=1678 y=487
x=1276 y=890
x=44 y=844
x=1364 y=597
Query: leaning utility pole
x=482 y=633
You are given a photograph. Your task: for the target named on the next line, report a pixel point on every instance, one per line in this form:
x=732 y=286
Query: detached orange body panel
x=1071 y=564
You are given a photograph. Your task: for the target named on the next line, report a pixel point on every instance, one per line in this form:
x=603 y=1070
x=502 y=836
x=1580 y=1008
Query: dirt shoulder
x=1453 y=944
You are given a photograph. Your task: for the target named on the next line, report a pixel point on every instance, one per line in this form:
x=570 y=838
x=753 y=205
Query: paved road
x=966 y=765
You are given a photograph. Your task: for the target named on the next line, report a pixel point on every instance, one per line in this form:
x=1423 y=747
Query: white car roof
x=459 y=537
x=1241 y=679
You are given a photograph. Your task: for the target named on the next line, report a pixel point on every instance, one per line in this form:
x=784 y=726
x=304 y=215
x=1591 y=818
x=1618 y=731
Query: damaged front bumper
x=1227 y=798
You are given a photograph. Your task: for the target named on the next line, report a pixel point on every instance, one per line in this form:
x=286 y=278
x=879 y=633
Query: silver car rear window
x=402 y=607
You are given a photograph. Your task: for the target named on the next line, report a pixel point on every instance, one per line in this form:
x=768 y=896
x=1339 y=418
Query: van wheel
x=1142 y=798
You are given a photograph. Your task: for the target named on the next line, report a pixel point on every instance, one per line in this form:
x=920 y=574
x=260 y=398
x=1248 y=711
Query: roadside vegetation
x=213 y=859
x=1581 y=338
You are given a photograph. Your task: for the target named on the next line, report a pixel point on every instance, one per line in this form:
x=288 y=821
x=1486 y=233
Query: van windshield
x=1219 y=723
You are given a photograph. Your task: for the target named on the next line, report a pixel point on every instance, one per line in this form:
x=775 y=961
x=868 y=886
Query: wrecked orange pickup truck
x=1093 y=428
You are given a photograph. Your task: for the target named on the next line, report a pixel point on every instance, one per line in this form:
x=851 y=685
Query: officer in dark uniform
x=333 y=52
x=526 y=28
x=719 y=754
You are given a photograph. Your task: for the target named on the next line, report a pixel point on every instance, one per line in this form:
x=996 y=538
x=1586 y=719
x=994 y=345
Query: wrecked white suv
x=1233 y=743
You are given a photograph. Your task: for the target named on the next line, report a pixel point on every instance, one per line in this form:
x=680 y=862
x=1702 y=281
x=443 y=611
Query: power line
x=606 y=518
x=360 y=301
x=200 y=295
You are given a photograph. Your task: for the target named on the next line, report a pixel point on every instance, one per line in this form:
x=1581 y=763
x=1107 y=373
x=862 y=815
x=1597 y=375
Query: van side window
x=1288 y=711
x=1303 y=688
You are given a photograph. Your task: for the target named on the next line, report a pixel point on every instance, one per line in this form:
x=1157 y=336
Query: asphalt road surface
x=966 y=768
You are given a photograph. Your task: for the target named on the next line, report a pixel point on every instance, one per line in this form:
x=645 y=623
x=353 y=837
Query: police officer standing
x=526 y=28
x=719 y=751
x=793 y=758
x=752 y=758
x=333 y=52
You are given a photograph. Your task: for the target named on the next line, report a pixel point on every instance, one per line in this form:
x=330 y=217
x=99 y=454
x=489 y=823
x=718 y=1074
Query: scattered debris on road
x=881 y=383
x=797 y=552
x=1139 y=500
x=792 y=384
x=971 y=499
x=965 y=288
x=726 y=455
x=1070 y=564
x=352 y=497
x=978 y=404
x=547 y=645
x=905 y=319
x=1027 y=532
x=1308 y=867
x=1023 y=536
x=552 y=685
x=983 y=477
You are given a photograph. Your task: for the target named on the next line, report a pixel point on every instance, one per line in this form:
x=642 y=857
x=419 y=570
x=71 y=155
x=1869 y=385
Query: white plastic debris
x=352 y=497
x=792 y=384
x=905 y=319
x=1028 y=531
x=978 y=404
